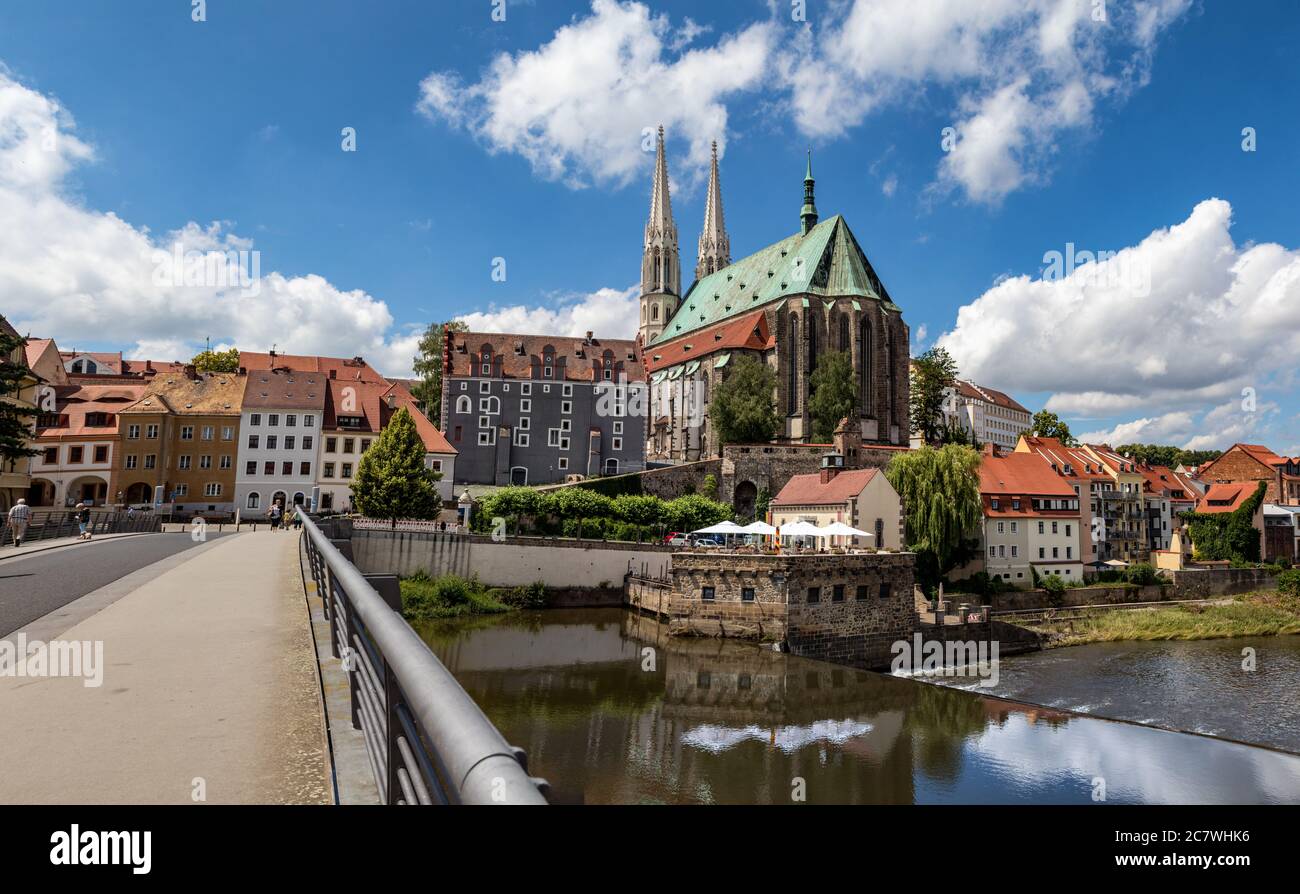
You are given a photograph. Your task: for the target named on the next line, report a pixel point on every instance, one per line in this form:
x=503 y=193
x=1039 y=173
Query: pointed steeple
x=715 y=245
x=661 y=265
x=808 y=214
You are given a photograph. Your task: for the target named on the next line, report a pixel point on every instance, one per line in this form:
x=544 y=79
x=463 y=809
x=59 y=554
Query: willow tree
x=940 y=490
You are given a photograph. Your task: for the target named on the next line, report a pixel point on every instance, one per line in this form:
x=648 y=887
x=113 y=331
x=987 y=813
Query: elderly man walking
x=19 y=515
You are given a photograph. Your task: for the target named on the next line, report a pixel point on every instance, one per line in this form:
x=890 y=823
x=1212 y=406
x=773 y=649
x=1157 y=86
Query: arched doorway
x=140 y=492
x=518 y=476
x=279 y=497
x=299 y=499
x=40 y=493
x=611 y=466
x=90 y=489
x=745 y=498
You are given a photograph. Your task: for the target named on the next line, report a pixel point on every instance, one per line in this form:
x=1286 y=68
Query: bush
x=1141 y=574
x=1055 y=589
x=532 y=596
x=1288 y=583
x=425 y=598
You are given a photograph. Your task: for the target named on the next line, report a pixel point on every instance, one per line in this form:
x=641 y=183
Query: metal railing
x=426 y=739
x=49 y=524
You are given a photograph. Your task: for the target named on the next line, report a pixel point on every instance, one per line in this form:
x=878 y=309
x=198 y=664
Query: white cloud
x=1021 y=72
x=608 y=313
x=578 y=107
x=1178 y=324
x=88 y=277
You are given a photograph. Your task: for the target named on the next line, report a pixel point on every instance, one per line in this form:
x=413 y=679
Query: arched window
x=865 y=378
x=658 y=267
x=490 y=406
x=254 y=500
x=654 y=312
x=812 y=347
x=792 y=397
x=844 y=332
x=889 y=376
x=464 y=404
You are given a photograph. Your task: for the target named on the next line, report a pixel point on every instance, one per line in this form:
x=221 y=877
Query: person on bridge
x=83 y=521
x=19 y=515
x=274 y=515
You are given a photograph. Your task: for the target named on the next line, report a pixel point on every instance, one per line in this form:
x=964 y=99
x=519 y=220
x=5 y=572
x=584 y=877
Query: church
x=785 y=305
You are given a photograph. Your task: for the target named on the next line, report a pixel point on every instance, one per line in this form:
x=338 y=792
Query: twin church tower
x=661 y=265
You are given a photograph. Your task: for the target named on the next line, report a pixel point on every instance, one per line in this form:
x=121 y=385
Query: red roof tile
x=808 y=490
x=1021 y=474
x=521 y=356
x=1225 y=497
x=1082 y=467
x=354 y=369
x=749 y=331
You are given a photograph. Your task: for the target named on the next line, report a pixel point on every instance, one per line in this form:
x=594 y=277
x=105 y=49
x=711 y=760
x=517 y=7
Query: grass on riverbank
x=428 y=599
x=1252 y=614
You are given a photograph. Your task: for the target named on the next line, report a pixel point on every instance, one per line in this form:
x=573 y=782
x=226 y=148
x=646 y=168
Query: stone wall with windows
x=844 y=608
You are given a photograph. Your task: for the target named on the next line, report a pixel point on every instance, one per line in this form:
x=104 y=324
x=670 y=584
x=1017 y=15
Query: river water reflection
x=613 y=710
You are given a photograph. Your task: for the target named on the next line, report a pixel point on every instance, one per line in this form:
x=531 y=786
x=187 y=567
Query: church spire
x=715 y=245
x=808 y=215
x=661 y=266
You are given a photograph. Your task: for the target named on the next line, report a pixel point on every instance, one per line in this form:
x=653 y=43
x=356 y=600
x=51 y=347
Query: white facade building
x=280 y=431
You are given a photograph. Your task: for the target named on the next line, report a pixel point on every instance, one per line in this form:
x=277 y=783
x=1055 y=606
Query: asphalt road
x=37 y=584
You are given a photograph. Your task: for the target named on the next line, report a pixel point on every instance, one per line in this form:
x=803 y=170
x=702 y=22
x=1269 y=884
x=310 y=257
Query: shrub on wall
x=1141 y=574
x=1288 y=583
x=1227 y=536
x=1055 y=589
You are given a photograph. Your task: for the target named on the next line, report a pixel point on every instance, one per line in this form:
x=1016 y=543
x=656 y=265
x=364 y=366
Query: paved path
x=35 y=584
x=209 y=680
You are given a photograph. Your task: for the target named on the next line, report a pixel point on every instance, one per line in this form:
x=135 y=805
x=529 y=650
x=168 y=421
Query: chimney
x=832 y=465
x=148 y=364
x=392 y=400
x=589 y=335
x=191 y=371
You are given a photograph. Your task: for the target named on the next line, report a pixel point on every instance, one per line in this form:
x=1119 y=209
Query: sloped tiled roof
x=1225 y=497
x=520 y=356
x=826 y=262
x=281 y=389
x=1162 y=479
x=369 y=402
x=72 y=403
x=355 y=369
x=1021 y=474
x=1081 y=465
x=206 y=394
x=979 y=392
x=749 y=331
x=808 y=490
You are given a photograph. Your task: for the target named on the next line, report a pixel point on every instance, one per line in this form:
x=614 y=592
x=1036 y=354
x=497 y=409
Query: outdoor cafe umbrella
x=761 y=528
x=801 y=529
x=726 y=527
x=839 y=529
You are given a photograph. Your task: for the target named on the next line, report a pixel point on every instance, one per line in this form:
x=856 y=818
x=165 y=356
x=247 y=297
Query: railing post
x=393 y=725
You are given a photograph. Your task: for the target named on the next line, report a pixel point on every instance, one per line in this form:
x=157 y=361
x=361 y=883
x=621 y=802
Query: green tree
x=1049 y=425
x=428 y=368
x=932 y=374
x=15 y=420
x=392 y=481
x=1228 y=536
x=217 y=361
x=692 y=512
x=834 y=394
x=940 y=490
x=639 y=509
x=1165 y=455
x=742 y=407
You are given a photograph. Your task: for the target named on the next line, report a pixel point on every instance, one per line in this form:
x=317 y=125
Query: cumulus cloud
x=1182 y=322
x=89 y=277
x=1021 y=72
x=579 y=107
x=608 y=313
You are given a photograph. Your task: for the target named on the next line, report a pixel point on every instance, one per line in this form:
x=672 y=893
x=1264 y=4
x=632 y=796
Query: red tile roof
x=520 y=356
x=1225 y=497
x=979 y=392
x=1082 y=466
x=354 y=369
x=1162 y=479
x=749 y=331
x=74 y=402
x=808 y=490
x=285 y=389
x=1023 y=475
x=369 y=402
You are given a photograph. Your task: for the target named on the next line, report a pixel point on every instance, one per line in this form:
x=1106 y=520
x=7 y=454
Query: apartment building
x=79 y=439
x=179 y=442
x=1032 y=518
x=1086 y=478
x=279 y=439
x=531 y=409
x=987 y=415
x=1123 y=508
x=355 y=414
x=1167 y=494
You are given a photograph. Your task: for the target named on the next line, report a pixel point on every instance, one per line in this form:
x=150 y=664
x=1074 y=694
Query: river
x=1244 y=688
x=611 y=710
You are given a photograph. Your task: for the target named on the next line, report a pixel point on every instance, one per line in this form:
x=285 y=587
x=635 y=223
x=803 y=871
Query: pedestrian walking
x=274 y=516
x=297 y=518
x=83 y=521
x=20 y=514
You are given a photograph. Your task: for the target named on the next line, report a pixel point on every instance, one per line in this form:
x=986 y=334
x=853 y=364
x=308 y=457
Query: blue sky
x=521 y=139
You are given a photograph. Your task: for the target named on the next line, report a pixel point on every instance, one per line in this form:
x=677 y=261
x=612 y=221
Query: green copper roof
x=827 y=262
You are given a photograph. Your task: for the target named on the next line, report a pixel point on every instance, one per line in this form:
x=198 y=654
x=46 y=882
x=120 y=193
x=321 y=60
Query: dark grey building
x=535 y=409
